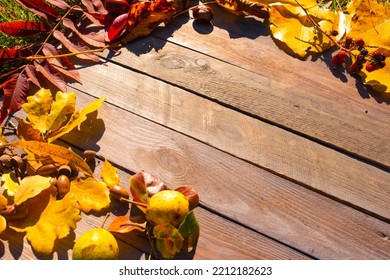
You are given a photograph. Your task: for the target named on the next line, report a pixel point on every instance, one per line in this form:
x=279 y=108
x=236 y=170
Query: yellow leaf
x=9 y=181
x=92 y=195
x=64 y=105
x=168 y=240
x=58 y=154
x=370 y=21
x=109 y=174
x=76 y=119
x=27 y=132
x=37 y=107
x=48 y=220
x=3 y=224
x=31 y=186
x=295 y=32
x=3 y=202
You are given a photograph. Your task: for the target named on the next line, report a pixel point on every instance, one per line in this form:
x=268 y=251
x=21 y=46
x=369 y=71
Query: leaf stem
x=318 y=27
x=34 y=57
x=133 y=202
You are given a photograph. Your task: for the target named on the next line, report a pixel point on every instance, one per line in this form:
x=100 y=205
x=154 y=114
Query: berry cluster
x=372 y=61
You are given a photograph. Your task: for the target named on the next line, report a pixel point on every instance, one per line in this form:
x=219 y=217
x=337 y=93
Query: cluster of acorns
x=372 y=61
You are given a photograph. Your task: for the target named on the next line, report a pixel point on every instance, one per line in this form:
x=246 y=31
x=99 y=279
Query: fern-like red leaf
x=23 y=28
x=40 y=8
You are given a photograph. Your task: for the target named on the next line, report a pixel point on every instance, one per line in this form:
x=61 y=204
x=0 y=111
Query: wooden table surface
x=291 y=158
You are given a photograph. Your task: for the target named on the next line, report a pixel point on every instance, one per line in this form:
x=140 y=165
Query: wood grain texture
x=303 y=96
x=245 y=137
x=268 y=204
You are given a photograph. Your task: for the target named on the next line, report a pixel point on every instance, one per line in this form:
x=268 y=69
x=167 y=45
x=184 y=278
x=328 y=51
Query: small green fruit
x=167 y=207
x=96 y=244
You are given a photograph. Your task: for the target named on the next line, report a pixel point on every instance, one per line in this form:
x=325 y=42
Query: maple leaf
x=92 y=195
x=109 y=174
x=48 y=220
x=295 y=32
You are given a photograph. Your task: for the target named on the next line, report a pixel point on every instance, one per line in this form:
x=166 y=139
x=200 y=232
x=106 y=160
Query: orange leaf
x=122 y=224
x=168 y=240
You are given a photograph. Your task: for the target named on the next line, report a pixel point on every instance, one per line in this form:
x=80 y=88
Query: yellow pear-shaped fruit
x=96 y=244
x=167 y=207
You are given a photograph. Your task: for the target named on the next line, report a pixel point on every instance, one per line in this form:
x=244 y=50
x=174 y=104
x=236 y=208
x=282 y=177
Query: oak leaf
x=57 y=154
x=92 y=195
x=109 y=174
x=48 y=220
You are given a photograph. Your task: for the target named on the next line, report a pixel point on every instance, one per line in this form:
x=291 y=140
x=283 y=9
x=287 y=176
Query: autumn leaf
x=65 y=104
x=144 y=17
x=191 y=194
x=48 y=220
x=40 y=8
x=3 y=202
x=109 y=174
x=25 y=131
x=246 y=7
x=37 y=107
x=169 y=241
x=3 y=224
x=29 y=187
x=370 y=21
x=58 y=154
x=9 y=181
x=23 y=28
x=122 y=224
x=92 y=195
x=295 y=32
x=190 y=231
x=143 y=185
x=76 y=119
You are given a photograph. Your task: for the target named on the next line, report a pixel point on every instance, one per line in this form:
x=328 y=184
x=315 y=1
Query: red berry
x=360 y=58
x=342 y=54
x=348 y=42
x=359 y=43
x=371 y=67
x=337 y=60
x=354 y=68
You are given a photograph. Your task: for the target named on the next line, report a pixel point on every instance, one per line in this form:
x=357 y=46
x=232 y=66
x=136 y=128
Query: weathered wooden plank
x=247 y=194
x=265 y=145
x=302 y=96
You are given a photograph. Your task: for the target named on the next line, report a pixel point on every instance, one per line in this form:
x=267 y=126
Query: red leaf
x=23 y=28
x=10 y=54
x=32 y=75
x=92 y=38
x=59 y=3
x=15 y=90
x=97 y=19
x=75 y=48
x=117 y=27
x=63 y=64
x=40 y=8
x=51 y=74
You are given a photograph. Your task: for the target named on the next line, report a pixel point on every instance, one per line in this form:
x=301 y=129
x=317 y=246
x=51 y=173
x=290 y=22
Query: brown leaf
x=91 y=38
x=122 y=224
x=75 y=48
x=26 y=132
x=59 y=3
x=62 y=64
x=51 y=74
x=58 y=154
x=143 y=185
x=32 y=74
x=191 y=194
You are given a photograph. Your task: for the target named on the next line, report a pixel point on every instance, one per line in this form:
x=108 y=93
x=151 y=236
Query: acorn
x=203 y=13
x=118 y=192
x=63 y=186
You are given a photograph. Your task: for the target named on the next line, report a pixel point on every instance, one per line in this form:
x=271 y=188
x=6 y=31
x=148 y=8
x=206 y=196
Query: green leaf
x=190 y=231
